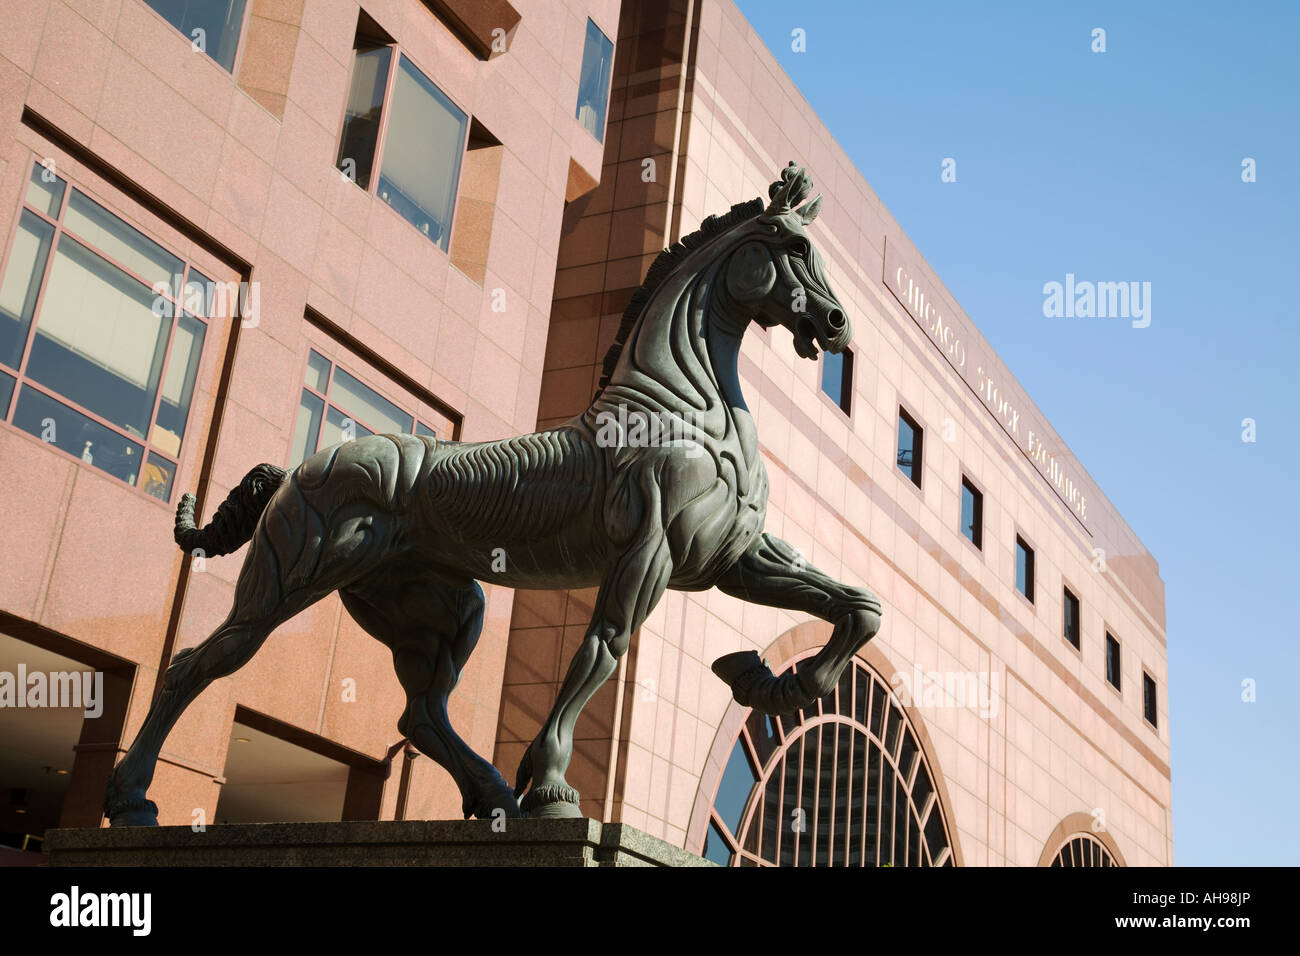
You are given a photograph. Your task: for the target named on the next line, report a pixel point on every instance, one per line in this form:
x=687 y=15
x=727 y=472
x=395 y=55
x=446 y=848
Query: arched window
x=843 y=783
x=1083 y=849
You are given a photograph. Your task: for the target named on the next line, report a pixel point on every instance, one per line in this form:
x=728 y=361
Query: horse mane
x=663 y=267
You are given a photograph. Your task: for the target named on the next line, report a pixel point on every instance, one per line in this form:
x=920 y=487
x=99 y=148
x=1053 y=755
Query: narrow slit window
x=972 y=513
x=593 y=81
x=837 y=378
x=1112 y=661
x=910 y=437
x=1070 y=626
x=1024 y=569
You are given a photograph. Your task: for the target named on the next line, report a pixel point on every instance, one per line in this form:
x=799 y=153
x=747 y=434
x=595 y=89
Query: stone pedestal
x=579 y=842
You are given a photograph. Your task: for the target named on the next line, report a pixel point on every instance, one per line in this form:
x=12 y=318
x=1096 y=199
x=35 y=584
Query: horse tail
x=236 y=518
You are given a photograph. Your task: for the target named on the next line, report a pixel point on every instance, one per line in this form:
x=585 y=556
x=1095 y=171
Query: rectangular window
x=1149 y=698
x=398 y=122
x=1070 y=625
x=336 y=406
x=1024 y=568
x=909 y=447
x=593 y=81
x=837 y=378
x=211 y=26
x=101 y=332
x=972 y=513
x=1112 y=660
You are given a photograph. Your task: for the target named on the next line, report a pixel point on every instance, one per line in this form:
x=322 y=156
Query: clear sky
x=1122 y=166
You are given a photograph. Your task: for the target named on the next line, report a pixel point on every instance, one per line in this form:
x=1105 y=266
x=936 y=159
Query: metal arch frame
x=752 y=813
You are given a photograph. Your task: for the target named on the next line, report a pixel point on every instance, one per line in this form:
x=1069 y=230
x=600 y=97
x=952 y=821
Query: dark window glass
x=907 y=754
x=1071 y=624
x=733 y=792
x=837 y=378
x=772 y=813
x=593 y=82
x=158 y=476
x=362 y=117
x=1112 y=660
x=762 y=731
x=972 y=513
x=1149 y=699
x=1024 y=568
x=909 y=447
x=790 y=802
x=1082 y=851
x=716 y=848
x=6 y=392
x=212 y=26
x=77 y=434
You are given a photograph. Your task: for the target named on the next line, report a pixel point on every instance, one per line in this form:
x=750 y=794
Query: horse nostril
x=836 y=319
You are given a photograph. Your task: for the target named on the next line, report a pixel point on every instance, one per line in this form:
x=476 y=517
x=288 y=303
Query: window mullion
x=385 y=117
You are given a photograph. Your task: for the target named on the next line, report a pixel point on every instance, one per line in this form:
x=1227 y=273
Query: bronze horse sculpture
x=402 y=526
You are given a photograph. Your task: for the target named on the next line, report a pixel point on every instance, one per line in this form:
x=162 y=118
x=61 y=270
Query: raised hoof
x=556 y=801
x=740 y=671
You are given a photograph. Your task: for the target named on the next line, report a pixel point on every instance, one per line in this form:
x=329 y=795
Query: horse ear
x=809 y=212
x=751 y=272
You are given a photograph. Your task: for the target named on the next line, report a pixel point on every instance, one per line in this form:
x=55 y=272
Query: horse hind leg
x=432 y=629
x=259 y=608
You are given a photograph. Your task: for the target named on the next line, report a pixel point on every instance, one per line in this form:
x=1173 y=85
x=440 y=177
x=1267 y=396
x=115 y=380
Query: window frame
x=397 y=51
x=1031 y=568
x=1148 y=680
x=1118 y=685
x=1078 y=601
x=876 y=715
x=978 y=541
x=237 y=62
x=178 y=245
x=846 y=383
x=918 y=446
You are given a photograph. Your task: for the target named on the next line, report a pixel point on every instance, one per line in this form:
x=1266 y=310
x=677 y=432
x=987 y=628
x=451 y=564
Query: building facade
x=242 y=230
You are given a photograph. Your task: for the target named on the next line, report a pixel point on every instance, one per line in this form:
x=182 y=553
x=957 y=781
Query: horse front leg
x=773 y=573
x=629 y=592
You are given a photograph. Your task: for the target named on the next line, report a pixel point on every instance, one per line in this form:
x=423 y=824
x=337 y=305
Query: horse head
x=777 y=276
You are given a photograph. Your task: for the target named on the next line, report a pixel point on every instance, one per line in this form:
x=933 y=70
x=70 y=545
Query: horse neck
x=678 y=358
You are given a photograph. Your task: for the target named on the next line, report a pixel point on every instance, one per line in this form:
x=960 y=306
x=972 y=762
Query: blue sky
x=1118 y=166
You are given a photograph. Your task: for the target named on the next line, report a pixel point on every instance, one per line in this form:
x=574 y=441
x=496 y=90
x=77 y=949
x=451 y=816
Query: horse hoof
x=741 y=671
x=500 y=803
x=145 y=815
x=554 y=801
x=729 y=667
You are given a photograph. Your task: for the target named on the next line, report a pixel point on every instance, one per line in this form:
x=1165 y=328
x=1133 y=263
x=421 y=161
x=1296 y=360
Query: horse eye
x=799 y=246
